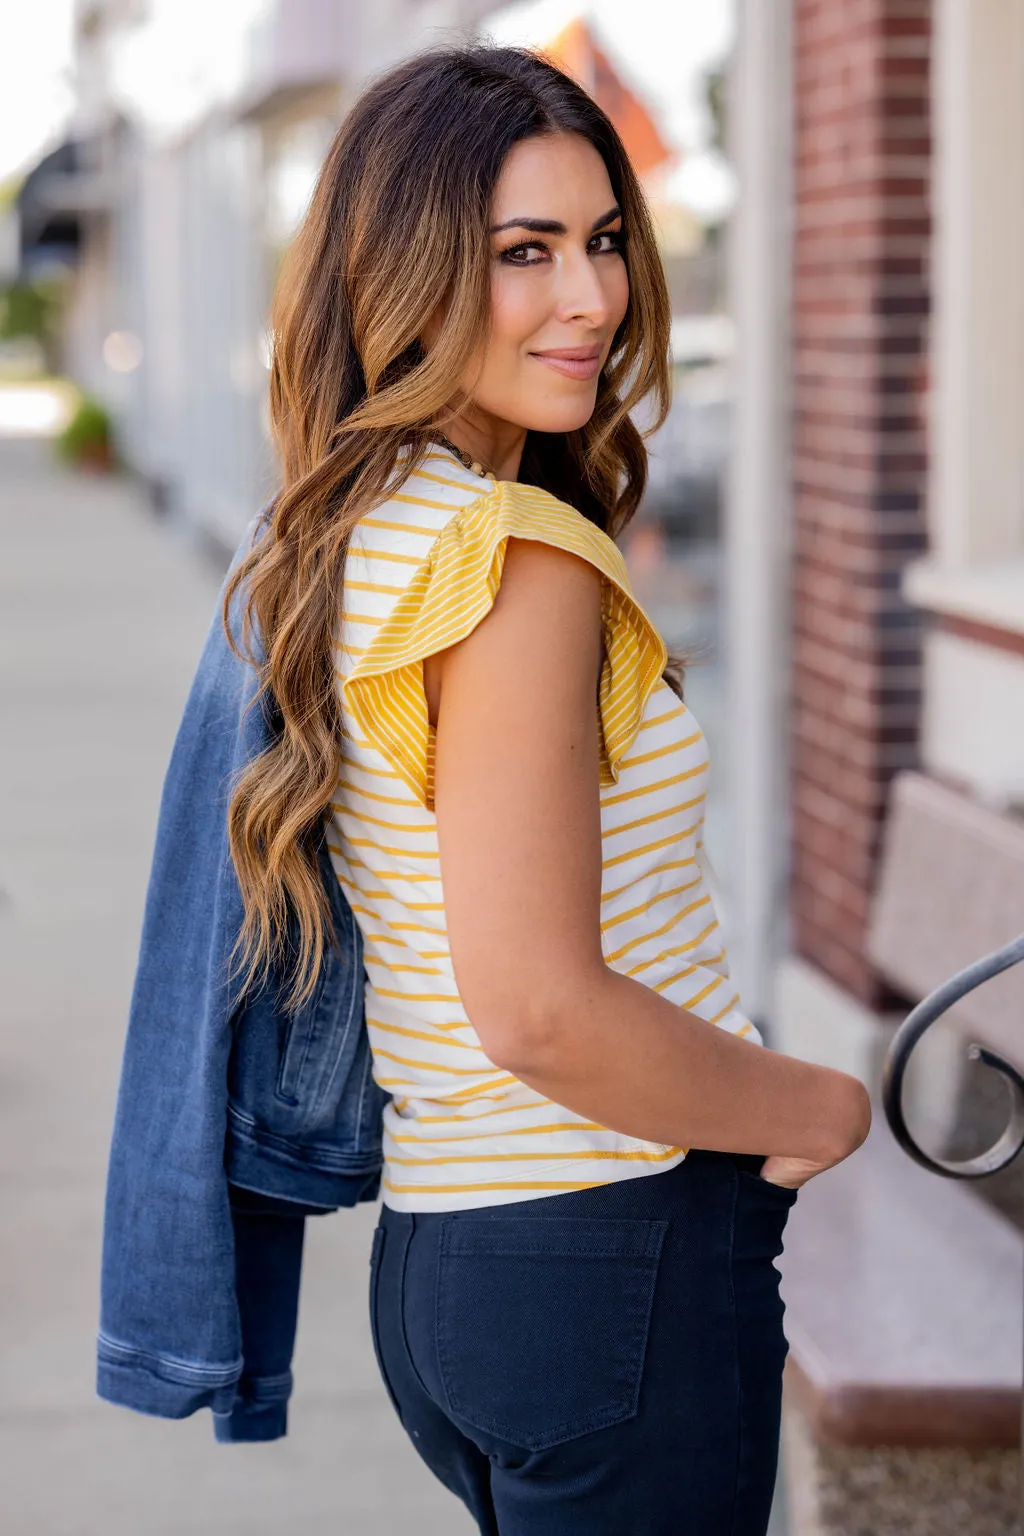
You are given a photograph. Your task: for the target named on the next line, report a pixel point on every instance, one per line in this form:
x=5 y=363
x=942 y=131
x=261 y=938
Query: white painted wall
x=758 y=511
x=973 y=728
x=976 y=502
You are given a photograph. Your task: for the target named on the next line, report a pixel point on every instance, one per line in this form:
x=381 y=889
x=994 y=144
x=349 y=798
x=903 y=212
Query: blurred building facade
x=198 y=133
x=195 y=142
x=876 y=529
x=875 y=627
x=840 y=192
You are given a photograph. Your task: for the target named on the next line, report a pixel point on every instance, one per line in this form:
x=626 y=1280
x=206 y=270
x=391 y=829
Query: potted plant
x=87 y=440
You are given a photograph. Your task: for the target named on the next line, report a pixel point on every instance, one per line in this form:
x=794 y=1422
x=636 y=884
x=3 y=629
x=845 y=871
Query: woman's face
x=559 y=288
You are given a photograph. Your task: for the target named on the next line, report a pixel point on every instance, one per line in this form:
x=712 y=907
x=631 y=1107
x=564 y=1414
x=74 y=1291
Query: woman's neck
x=497 y=445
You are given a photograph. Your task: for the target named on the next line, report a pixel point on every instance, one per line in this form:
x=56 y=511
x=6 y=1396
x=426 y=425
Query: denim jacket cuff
x=170 y=1389
x=249 y=1421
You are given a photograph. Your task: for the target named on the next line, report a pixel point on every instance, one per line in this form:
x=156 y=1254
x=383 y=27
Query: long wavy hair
x=396 y=232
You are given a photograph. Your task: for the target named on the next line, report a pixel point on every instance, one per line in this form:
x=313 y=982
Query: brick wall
x=860 y=297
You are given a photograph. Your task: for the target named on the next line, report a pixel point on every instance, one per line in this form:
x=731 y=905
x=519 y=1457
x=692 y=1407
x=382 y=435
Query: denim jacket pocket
x=303 y=1082
x=542 y=1323
x=319 y=1042
x=322 y=1041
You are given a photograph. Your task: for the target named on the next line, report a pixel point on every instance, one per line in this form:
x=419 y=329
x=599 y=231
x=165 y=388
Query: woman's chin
x=562 y=415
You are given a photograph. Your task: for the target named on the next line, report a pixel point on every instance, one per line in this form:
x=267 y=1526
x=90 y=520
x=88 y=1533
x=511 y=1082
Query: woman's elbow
x=526 y=1024
x=515 y=1048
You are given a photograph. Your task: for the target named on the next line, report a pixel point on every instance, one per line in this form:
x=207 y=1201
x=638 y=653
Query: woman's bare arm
x=518 y=813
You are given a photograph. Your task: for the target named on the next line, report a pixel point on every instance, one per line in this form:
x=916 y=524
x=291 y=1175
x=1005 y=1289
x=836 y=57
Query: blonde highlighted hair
x=396 y=232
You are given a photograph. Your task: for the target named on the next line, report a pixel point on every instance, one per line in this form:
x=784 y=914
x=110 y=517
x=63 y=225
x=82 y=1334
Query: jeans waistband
x=644 y=1190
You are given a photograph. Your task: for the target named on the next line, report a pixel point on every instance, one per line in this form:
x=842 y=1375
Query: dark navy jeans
x=606 y=1361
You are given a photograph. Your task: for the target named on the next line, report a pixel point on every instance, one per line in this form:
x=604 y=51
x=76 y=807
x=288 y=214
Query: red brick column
x=860 y=298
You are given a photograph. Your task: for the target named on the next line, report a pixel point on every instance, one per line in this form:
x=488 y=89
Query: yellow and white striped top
x=422 y=570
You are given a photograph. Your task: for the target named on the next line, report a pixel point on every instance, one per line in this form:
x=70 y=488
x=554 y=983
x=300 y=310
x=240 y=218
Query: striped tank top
x=421 y=571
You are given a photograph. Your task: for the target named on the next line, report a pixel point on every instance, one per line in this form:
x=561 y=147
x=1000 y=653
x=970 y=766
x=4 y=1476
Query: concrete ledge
x=866 y=1415
x=903 y=1296
x=815 y=1020
x=950 y=890
x=991 y=594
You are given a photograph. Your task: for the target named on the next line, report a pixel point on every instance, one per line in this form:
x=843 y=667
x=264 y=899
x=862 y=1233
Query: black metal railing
x=1011 y=1142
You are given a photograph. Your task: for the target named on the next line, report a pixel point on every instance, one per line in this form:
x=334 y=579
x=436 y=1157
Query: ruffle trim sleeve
x=455 y=587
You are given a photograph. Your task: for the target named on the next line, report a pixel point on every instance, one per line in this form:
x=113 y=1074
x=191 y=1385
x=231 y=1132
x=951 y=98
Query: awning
x=55 y=198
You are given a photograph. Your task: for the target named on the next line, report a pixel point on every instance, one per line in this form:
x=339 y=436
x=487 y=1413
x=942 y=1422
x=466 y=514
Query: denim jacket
x=234 y=1119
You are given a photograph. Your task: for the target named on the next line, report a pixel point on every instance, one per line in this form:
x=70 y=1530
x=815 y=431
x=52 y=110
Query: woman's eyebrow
x=554 y=226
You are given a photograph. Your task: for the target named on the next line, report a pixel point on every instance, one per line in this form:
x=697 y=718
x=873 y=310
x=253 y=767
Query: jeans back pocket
x=542 y=1322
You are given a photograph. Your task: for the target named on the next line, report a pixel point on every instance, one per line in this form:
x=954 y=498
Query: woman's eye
x=531 y=253
x=519 y=255
x=608 y=240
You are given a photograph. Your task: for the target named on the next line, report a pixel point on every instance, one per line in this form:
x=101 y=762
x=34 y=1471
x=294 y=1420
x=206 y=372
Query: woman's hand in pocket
x=791 y=1172
x=851 y=1130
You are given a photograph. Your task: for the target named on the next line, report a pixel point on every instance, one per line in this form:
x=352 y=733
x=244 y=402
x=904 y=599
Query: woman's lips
x=572 y=362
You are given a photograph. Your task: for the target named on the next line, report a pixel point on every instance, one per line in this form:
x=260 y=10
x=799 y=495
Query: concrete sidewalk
x=102 y=614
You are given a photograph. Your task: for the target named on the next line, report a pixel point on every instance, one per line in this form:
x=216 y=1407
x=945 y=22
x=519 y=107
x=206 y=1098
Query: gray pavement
x=102 y=613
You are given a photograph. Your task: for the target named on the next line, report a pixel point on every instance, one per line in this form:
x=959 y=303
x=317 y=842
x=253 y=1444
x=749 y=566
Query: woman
x=575 y=1310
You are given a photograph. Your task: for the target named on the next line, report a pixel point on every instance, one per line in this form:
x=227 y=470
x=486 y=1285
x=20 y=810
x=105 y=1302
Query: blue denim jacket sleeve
x=234 y=1120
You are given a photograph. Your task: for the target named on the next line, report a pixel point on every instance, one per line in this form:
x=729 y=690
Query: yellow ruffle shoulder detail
x=455 y=587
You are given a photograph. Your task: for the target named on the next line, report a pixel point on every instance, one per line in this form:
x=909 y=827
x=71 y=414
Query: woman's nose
x=581 y=294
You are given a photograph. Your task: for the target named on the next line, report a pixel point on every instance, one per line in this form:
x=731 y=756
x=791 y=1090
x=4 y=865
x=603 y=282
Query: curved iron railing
x=1011 y=1142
